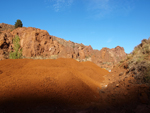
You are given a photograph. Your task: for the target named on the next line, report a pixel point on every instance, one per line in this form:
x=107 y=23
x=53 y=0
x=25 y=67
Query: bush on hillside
x=147 y=76
x=17 y=52
x=18 y=23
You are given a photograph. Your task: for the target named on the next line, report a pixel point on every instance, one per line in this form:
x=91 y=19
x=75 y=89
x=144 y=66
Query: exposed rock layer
x=35 y=42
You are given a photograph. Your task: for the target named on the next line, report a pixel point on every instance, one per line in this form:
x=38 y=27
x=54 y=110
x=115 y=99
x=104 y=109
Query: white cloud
x=96 y=8
x=69 y=3
x=103 y=8
x=59 y=4
x=98 y=4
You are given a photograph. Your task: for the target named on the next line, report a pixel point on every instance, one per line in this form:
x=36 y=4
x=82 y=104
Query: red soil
x=61 y=82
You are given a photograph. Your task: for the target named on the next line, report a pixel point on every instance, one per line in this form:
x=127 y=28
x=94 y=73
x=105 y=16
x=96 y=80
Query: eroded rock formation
x=38 y=43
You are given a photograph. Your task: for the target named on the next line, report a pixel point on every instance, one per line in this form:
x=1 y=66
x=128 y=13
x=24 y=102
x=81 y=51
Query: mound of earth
x=61 y=82
x=68 y=86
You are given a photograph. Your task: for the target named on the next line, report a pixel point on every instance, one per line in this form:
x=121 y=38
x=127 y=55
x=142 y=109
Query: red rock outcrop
x=35 y=42
x=106 y=57
x=5 y=42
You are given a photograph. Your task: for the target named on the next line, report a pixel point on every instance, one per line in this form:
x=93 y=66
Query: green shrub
x=146 y=76
x=129 y=56
x=18 y=23
x=135 y=51
x=139 y=60
x=17 y=52
x=146 y=49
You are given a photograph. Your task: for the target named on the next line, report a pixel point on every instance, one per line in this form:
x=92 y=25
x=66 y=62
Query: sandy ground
x=26 y=83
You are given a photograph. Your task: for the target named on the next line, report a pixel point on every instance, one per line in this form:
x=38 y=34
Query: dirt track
x=60 y=82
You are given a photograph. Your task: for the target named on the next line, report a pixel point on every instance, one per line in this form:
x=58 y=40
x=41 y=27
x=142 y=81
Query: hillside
x=59 y=83
x=38 y=44
x=129 y=80
x=65 y=85
x=137 y=64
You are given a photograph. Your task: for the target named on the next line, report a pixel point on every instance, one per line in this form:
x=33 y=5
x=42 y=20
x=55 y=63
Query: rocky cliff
x=37 y=43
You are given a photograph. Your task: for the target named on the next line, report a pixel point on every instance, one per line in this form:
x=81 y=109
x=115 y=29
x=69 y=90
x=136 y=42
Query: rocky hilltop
x=7 y=27
x=38 y=44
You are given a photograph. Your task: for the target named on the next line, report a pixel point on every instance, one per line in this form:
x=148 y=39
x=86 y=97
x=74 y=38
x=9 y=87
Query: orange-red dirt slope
x=60 y=82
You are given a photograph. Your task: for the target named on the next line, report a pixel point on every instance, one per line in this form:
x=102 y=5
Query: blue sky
x=99 y=23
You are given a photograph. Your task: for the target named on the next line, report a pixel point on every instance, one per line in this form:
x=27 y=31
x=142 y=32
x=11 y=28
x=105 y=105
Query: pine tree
x=18 y=23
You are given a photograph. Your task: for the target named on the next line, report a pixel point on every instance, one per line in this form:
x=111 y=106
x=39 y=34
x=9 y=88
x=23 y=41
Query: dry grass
x=138 y=61
x=42 y=57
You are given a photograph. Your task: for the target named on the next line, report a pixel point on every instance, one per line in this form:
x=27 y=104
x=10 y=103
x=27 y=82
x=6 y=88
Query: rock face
x=7 y=27
x=38 y=43
x=106 y=57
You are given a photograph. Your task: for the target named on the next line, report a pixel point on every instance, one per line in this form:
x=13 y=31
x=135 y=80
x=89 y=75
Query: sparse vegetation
x=138 y=62
x=4 y=26
x=17 y=53
x=135 y=51
x=129 y=56
x=53 y=56
x=18 y=23
x=147 y=76
x=146 y=49
x=42 y=57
